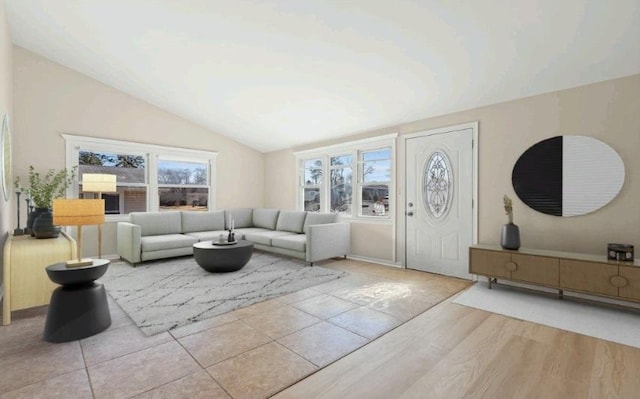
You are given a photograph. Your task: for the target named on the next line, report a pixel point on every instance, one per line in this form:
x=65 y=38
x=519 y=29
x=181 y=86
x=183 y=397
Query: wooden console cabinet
x=589 y=274
x=26 y=283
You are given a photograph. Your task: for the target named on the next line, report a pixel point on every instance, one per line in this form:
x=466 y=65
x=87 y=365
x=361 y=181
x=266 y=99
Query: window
x=148 y=177
x=182 y=185
x=131 y=194
x=340 y=174
x=311 y=184
x=374 y=178
x=359 y=180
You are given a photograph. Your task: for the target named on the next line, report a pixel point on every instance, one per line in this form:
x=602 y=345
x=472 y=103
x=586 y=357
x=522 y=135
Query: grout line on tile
x=86 y=369
x=169 y=382
x=128 y=353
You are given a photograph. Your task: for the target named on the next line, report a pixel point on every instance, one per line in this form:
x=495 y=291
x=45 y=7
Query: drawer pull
x=618 y=281
x=511 y=266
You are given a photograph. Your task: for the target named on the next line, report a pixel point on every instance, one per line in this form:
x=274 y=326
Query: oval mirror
x=568 y=175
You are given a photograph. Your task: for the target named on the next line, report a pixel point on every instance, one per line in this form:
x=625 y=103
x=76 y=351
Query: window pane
x=183 y=173
x=135 y=199
x=376 y=166
x=342 y=160
x=312 y=172
x=312 y=199
x=341 y=189
x=111 y=204
x=125 y=200
x=384 y=153
x=127 y=168
x=179 y=198
x=375 y=200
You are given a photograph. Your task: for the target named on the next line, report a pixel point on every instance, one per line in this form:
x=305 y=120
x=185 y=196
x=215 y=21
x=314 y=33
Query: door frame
x=401 y=205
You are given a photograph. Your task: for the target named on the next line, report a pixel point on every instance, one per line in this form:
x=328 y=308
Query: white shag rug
x=163 y=295
x=604 y=321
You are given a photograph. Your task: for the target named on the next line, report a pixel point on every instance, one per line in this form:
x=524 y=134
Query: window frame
x=355 y=149
x=151 y=152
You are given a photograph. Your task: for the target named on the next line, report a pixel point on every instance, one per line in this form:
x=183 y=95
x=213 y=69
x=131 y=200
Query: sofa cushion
x=292 y=221
x=241 y=233
x=202 y=221
x=157 y=223
x=265 y=237
x=265 y=218
x=167 y=241
x=242 y=217
x=213 y=235
x=295 y=242
x=319 y=218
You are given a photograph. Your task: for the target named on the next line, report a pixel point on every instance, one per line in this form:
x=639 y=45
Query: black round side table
x=222 y=258
x=79 y=307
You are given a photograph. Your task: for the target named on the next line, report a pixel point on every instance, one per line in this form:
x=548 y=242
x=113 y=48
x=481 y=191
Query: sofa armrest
x=328 y=240
x=128 y=236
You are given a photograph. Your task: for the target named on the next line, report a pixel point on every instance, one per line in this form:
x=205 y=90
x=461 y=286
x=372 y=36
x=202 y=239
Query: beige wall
x=279 y=180
x=606 y=110
x=6 y=107
x=51 y=99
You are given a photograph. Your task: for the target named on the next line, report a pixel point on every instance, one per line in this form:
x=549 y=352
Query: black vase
x=31 y=216
x=510 y=236
x=43 y=224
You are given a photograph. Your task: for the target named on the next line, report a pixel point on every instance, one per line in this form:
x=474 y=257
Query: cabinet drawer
x=536 y=269
x=490 y=263
x=588 y=276
x=632 y=288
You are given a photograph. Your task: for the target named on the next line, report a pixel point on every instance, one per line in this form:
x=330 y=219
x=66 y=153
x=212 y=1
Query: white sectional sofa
x=305 y=235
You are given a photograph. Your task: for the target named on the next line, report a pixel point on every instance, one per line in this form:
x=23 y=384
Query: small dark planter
x=43 y=224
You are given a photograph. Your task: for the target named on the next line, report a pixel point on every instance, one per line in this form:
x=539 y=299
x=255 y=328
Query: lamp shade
x=78 y=212
x=98 y=183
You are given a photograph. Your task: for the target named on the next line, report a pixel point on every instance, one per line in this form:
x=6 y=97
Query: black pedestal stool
x=79 y=307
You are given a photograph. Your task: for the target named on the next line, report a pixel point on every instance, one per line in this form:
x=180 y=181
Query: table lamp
x=98 y=183
x=78 y=212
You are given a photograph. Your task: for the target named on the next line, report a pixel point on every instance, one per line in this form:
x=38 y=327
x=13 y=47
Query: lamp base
x=79 y=262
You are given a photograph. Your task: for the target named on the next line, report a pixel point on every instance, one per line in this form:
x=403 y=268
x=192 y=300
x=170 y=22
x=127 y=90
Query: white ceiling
x=278 y=74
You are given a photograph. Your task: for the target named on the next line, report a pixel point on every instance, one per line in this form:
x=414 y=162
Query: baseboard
x=374 y=260
x=111 y=257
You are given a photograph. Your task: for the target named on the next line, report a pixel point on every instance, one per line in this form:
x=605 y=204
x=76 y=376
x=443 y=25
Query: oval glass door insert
x=437 y=186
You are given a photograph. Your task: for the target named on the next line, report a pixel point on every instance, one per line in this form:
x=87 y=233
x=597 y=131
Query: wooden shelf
x=590 y=274
x=26 y=283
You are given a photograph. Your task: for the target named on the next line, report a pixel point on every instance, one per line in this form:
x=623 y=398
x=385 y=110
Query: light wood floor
x=452 y=351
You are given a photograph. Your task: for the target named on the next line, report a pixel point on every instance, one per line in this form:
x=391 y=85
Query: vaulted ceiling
x=277 y=74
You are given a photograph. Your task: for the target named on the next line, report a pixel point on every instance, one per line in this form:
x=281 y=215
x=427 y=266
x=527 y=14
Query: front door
x=439 y=208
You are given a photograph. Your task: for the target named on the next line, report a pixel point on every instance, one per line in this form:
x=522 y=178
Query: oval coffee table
x=222 y=258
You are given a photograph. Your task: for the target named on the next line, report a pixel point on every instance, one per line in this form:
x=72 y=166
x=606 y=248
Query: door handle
x=409 y=213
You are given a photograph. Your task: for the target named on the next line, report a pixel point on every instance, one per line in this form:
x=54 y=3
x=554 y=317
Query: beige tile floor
x=253 y=352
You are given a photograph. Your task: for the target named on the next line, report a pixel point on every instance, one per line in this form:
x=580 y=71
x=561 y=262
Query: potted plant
x=42 y=190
